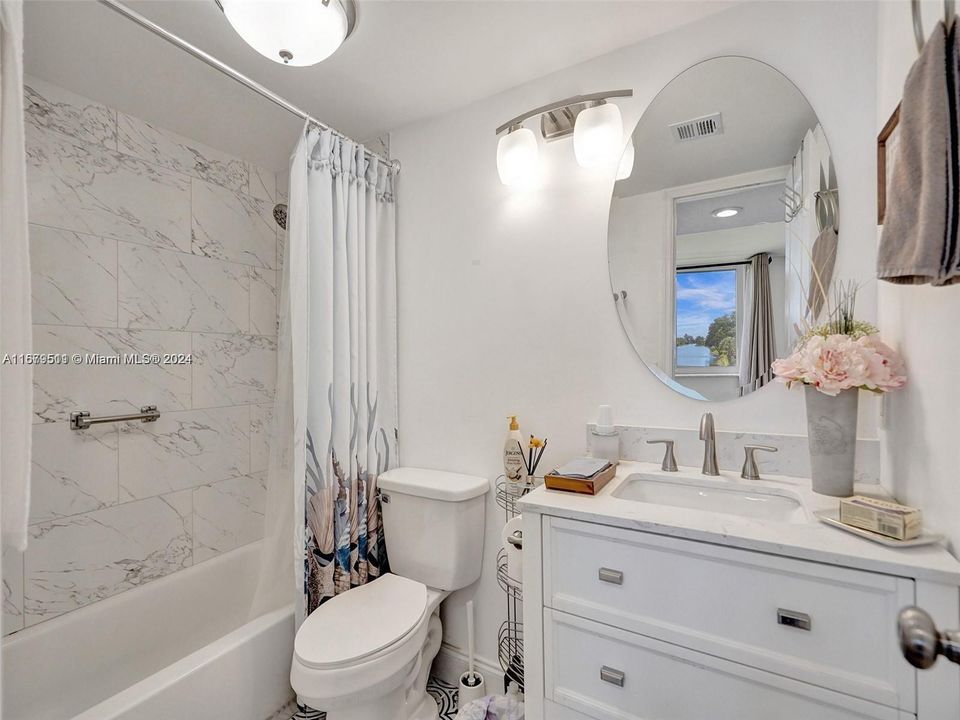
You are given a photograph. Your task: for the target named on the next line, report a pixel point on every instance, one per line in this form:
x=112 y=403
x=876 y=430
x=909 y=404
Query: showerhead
x=280 y=214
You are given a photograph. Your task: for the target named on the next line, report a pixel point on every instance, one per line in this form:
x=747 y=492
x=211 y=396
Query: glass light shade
x=291 y=32
x=625 y=169
x=517 y=153
x=597 y=135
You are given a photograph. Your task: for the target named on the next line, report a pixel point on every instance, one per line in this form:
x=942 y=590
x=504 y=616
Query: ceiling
x=406 y=61
x=733 y=245
x=759 y=204
x=765 y=118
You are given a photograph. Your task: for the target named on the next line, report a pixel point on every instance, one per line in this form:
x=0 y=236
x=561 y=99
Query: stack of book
x=582 y=475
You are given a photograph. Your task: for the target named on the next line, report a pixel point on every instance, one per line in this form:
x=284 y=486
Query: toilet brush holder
x=472 y=687
x=471 y=683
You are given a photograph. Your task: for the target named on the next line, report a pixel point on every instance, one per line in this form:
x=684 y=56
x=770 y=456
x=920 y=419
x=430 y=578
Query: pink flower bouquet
x=834 y=363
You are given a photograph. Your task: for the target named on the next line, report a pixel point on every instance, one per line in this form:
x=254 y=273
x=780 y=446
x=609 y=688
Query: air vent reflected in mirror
x=698 y=127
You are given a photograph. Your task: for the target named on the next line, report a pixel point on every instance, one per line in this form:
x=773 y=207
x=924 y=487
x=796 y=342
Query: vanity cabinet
x=642 y=677
x=631 y=625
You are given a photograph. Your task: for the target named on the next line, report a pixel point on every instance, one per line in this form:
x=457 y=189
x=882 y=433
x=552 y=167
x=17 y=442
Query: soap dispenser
x=514 y=467
x=604 y=437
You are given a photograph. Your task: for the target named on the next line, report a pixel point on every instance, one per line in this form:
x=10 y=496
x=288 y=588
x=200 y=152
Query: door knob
x=921 y=642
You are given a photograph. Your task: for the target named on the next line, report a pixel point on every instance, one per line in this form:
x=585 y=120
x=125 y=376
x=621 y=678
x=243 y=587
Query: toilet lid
x=361 y=622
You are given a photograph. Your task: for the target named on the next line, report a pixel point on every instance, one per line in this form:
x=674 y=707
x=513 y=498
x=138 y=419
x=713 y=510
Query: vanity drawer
x=607 y=674
x=827 y=626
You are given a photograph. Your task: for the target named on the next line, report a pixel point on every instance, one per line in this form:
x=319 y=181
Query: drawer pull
x=793 y=619
x=612 y=676
x=614 y=577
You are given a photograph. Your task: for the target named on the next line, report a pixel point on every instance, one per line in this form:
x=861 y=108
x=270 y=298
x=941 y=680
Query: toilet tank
x=433 y=523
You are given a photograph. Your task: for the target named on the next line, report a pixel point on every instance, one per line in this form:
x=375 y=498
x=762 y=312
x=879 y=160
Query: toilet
x=366 y=654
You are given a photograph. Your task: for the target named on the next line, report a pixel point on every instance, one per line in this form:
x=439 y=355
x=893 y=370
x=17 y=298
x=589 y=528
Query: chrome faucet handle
x=669 y=463
x=750 y=470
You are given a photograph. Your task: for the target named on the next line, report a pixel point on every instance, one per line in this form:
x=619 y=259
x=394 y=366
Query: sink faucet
x=709 y=437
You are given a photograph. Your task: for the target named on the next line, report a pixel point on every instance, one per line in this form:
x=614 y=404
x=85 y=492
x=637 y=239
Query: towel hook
x=827 y=207
x=949 y=11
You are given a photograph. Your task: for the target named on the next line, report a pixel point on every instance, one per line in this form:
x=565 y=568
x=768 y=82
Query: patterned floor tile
x=443 y=693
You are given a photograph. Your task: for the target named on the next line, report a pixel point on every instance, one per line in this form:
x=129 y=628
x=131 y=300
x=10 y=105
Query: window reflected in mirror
x=706 y=319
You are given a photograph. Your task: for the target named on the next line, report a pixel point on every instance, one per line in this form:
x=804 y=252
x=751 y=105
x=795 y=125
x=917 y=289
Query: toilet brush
x=471 y=682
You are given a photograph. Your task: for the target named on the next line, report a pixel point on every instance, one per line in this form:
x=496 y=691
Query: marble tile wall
x=142 y=241
x=792 y=456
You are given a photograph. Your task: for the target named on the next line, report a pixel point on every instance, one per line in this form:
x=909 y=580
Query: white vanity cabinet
x=623 y=624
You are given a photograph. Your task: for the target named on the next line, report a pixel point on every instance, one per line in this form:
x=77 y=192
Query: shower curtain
x=758 y=347
x=16 y=378
x=335 y=414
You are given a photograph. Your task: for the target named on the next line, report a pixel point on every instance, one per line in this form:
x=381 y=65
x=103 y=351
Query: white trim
x=451 y=663
x=730 y=183
x=668 y=356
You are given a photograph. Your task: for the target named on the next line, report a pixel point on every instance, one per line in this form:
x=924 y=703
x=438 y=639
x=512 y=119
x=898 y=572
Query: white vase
x=832 y=438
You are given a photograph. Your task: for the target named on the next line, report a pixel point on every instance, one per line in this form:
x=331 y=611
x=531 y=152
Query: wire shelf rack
x=508 y=493
x=513 y=587
x=510 y=637
x=511 y=651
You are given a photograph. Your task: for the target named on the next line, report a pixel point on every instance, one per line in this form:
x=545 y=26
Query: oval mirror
x=723 y=230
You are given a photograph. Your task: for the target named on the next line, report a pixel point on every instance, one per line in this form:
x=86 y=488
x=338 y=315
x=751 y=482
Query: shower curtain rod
x=222 y=67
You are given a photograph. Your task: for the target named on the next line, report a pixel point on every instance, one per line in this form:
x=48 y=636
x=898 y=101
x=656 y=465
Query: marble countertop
x=811 y=540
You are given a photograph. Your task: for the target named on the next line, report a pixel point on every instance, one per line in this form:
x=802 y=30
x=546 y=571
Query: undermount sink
x=749 y=502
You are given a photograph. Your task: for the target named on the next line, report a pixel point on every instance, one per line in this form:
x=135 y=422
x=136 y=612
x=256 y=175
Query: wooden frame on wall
x=886 y=145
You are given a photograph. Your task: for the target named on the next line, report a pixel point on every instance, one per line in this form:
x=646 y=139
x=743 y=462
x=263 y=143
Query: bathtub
x=179 y=648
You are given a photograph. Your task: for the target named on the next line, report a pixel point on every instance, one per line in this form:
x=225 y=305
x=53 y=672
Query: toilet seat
x=362 y=645
x=355 y=626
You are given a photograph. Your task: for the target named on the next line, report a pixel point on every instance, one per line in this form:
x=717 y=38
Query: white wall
x=505 y=302
x=920 y=463
x=638 y=233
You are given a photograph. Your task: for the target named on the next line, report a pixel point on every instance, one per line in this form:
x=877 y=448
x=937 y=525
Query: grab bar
x=81 y=420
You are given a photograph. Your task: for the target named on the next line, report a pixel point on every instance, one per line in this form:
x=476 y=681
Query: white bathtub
x=178 y=648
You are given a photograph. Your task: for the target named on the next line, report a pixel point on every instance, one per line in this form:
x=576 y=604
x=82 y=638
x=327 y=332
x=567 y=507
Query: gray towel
x=915 y=248
x=823 y=258
x=951 y=270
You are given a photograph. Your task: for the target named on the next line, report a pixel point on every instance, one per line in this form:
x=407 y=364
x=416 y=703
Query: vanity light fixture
x=595 y=124
x=625 y=168
x=517 y=154
x=292 y=32
x=597 y=134
x=726 y=212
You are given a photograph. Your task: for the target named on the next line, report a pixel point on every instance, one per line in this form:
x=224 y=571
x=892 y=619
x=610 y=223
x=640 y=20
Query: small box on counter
x=881 y=516
x=584 y=475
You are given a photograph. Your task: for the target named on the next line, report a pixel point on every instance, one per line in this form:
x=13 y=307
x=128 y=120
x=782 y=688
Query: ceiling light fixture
x=292 y=32
x=595 y=124
x=726 y=212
